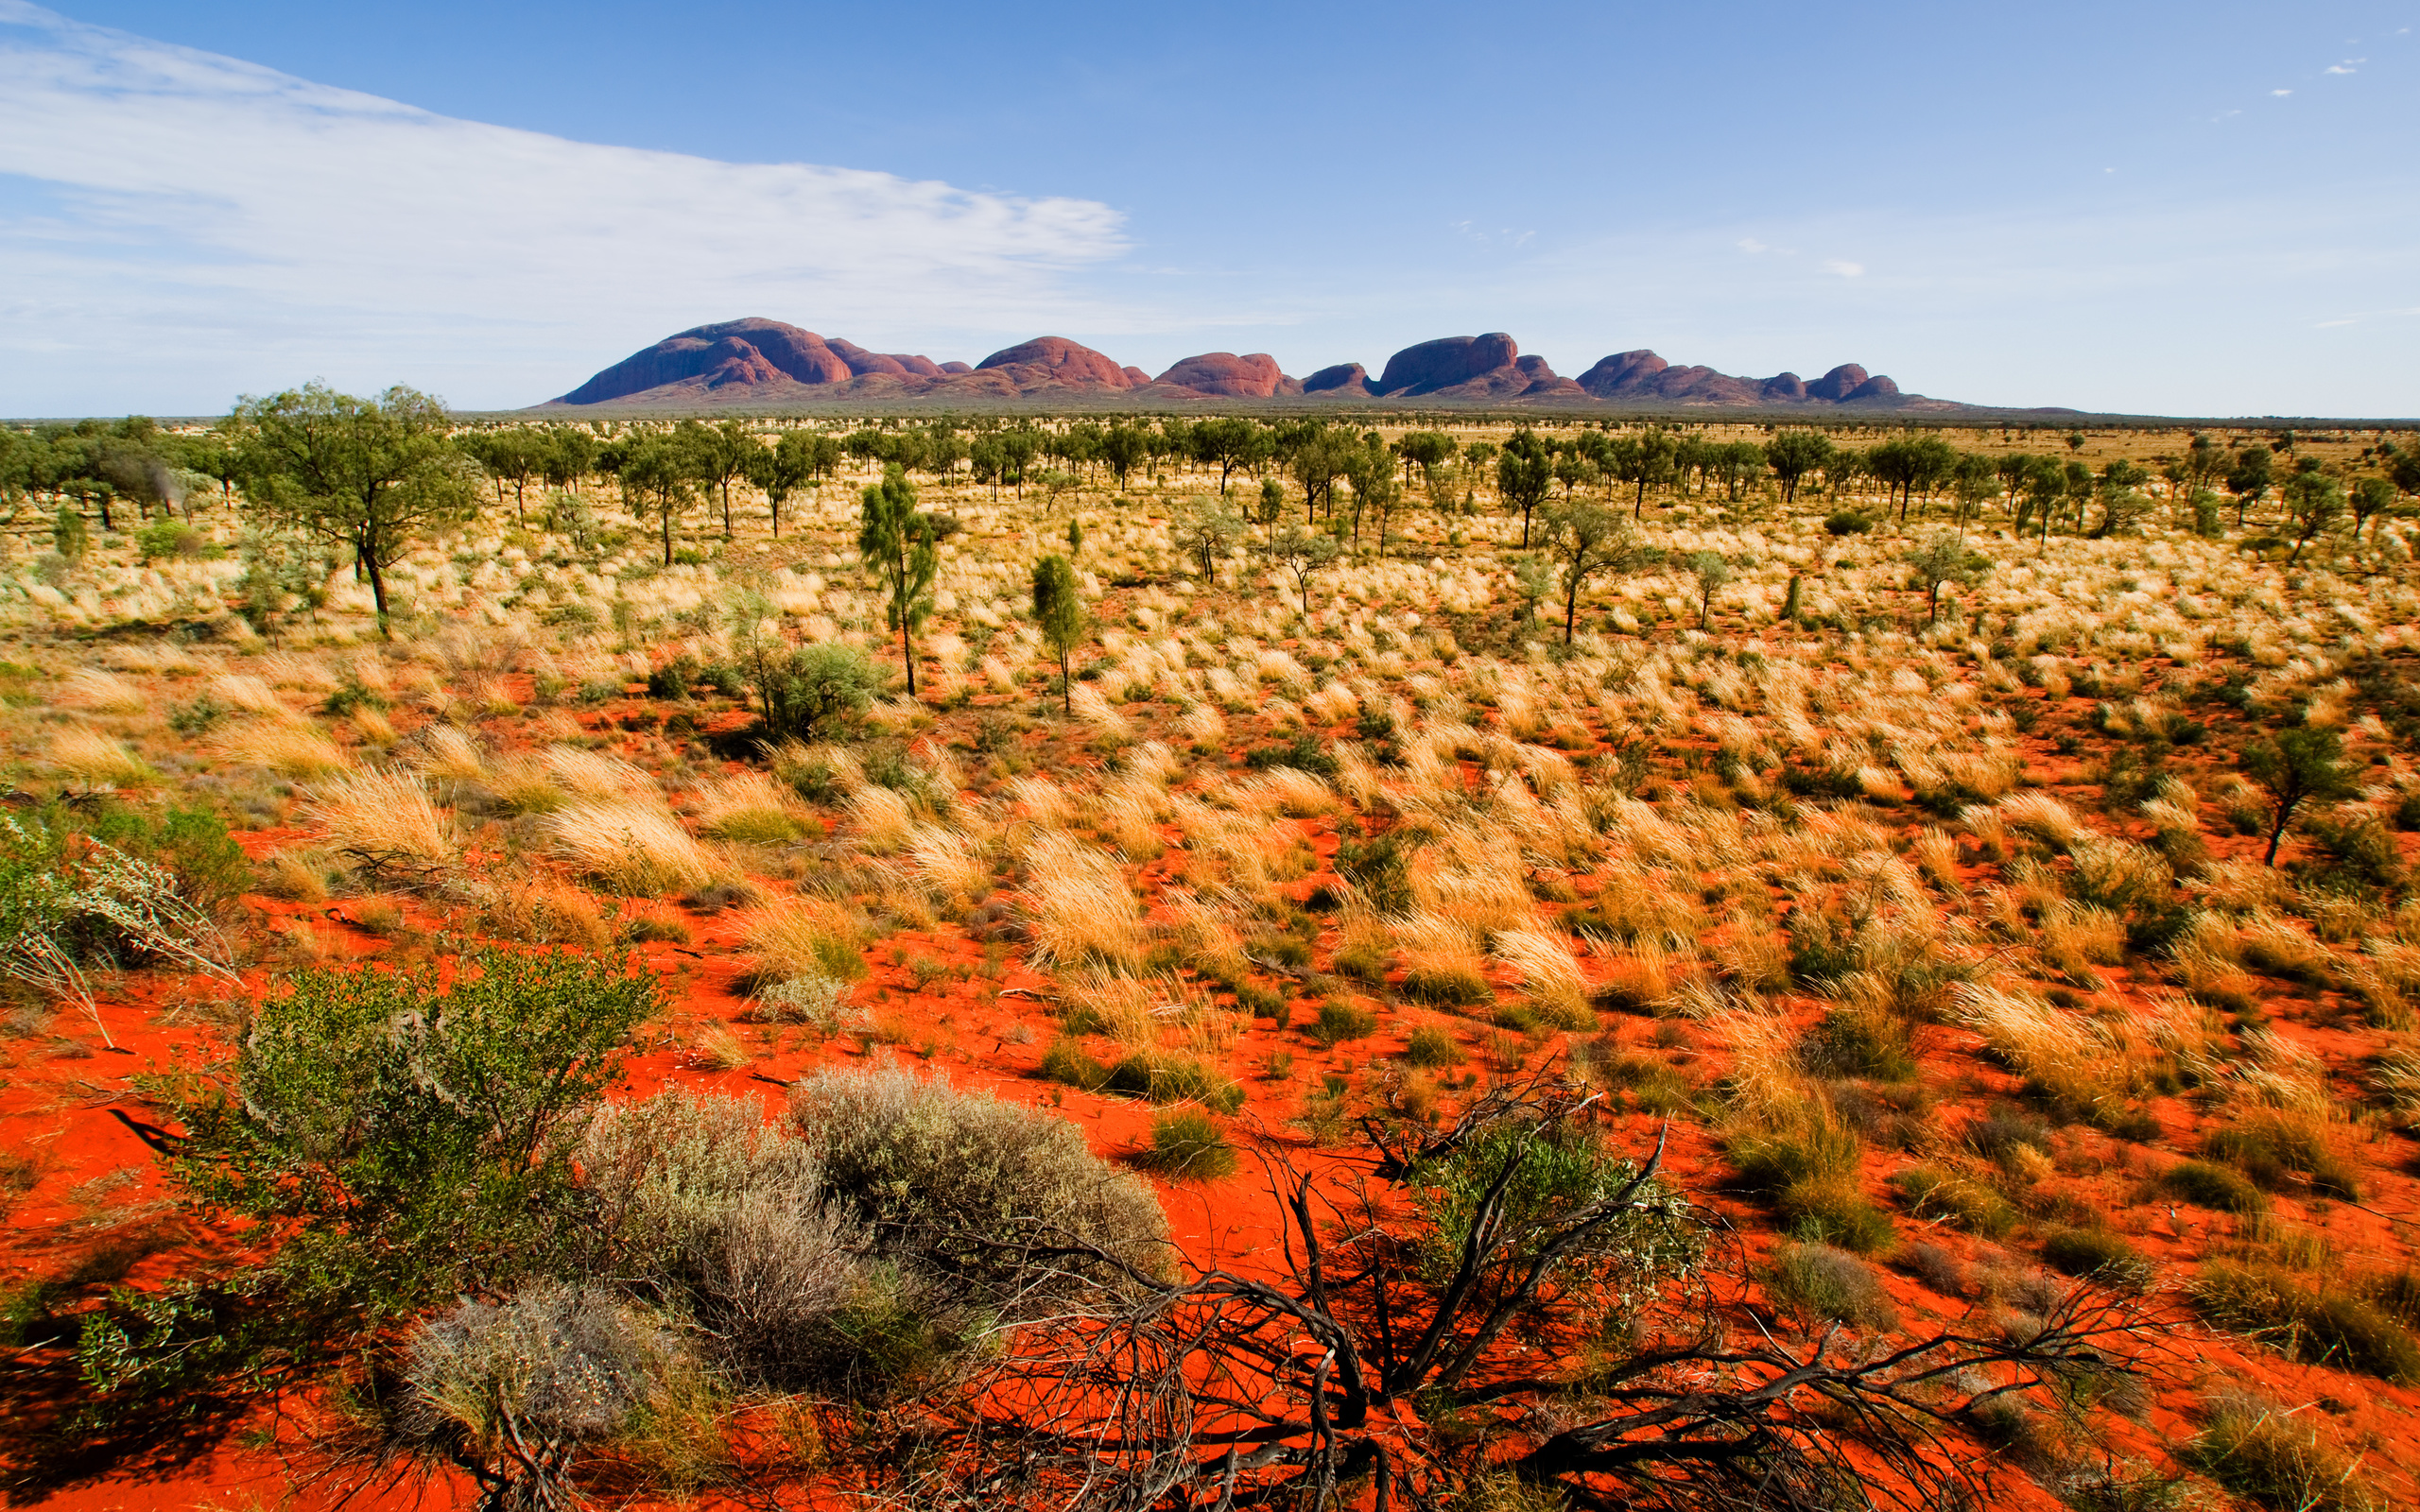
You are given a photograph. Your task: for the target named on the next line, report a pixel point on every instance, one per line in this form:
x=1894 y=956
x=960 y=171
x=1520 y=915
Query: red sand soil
x=96 y=1212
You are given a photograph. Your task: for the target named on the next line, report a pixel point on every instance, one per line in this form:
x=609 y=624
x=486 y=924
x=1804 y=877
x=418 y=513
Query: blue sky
x=2206 y=208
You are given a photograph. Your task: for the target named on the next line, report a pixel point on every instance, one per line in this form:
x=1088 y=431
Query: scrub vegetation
x=1136 y=962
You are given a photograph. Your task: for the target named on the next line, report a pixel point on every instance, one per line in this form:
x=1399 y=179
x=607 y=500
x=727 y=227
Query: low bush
x=958 y=1181
x=515 y=1387
x=2108 y=1258
x=1188 y=1145
x=2259 y=1451
x=1822 y=1283
x=2320 y=1327
x=1431 y=1048
x=1339 y=1022
x=1933 y=1192
x=2277 y=1152
x=2214 y=1187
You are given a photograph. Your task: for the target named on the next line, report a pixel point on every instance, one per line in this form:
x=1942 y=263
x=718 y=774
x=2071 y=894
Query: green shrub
x=1188 y=1145
x=1067 y=1063
x=417 y=1130
x=1166 y=1079
x=1848 y=523
x=1339 y=1022
x=1446 y=984
x=1432 y=1048
x=1850 y=1042
x=2214 y=1187
x=2096 y=1252
x=2259 y=1451
x=804 y=694
x=2320 y=1327
x=2274 y=1151
x=1819 y=1282
x=1932 y=1192
x=1552 y=1176
x=1377 y=867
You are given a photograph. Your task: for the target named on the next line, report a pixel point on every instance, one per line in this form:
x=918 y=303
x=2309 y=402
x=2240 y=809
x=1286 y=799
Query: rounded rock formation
x=1447 y=362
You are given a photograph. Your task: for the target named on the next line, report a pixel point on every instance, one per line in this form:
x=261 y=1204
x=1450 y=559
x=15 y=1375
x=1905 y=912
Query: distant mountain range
x=758 y=364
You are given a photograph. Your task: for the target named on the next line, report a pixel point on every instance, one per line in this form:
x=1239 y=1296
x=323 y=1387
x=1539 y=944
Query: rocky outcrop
x=1228 y=376
x=1344 y=378
x=1643 y=375
x=765 y=362
x=1048 y=361
x=1448 y=362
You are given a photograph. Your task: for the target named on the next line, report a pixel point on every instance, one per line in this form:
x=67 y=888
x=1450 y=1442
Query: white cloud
x=2281 y=94
x=1845 y=269
x=1751 y=246
x=182 y=224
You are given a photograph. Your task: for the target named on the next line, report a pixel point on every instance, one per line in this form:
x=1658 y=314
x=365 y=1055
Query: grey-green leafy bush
x=69 y=901
x=964 y=1185
x=509 y=1391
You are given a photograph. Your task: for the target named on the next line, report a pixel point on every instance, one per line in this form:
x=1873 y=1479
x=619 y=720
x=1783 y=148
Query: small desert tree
x=367 y=474
x=1712 y=573
x=1205 y=532
x=2314 y=503
x=1523 y=472
x=896 y=542
x=1059 y=614
x=1302 y=555
x=1942 y=560
x=783 y=471
x=1587 y=537
x=656 y=480
x=1792 y=454
x=2295 y=767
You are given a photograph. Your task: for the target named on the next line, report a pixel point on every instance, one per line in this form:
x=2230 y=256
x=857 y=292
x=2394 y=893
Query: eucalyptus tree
x=1523 y=475
x=1229 y=442
x=1586 y=538
x=782 y=470
x=658 y=477
x=368 y=474
x=2249 y=479
x=2314 y=503
x=1059 y=614
x=897 y=542
x=1792 y=454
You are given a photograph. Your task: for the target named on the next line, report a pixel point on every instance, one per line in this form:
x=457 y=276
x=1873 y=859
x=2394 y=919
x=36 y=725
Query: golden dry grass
x=294 y=749
x=632 y=846
x=384 y=816
x=96 y=759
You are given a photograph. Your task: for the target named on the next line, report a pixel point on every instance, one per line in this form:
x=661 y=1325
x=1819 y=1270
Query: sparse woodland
x=1058 y=962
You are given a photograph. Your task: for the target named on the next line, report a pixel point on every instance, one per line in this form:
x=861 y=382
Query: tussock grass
x=101 y=692
x=1079 y=906
x=796 y=937
x=387 y=817
x=88 y=756
x=635 y=847
x=753 y=808
x=291 y=750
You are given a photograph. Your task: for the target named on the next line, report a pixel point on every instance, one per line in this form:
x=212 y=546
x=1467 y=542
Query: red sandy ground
x=65 y=1102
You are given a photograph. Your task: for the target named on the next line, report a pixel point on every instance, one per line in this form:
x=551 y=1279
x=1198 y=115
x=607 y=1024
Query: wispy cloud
x=1843 y=268
x=209 y=224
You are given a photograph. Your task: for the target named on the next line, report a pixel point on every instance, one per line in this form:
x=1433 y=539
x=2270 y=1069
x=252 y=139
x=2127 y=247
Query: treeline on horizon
x=365 y=474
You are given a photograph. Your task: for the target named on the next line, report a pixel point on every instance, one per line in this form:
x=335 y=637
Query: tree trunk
x=908 y=652
x=665 y=508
